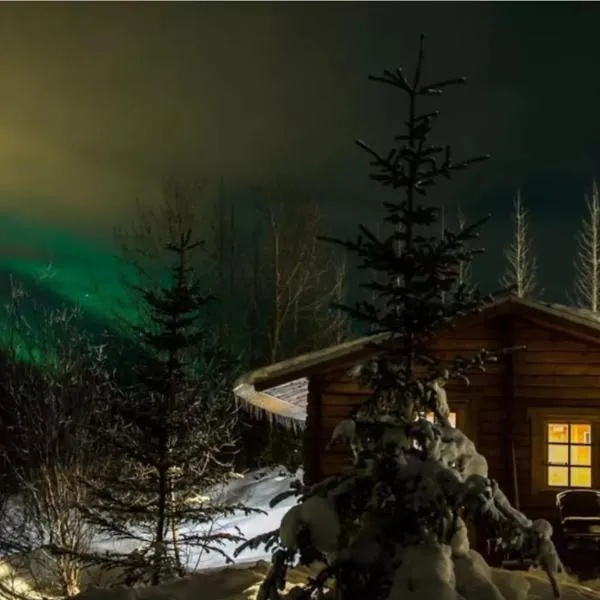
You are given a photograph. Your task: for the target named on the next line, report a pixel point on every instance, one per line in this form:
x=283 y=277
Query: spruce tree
x=392 y=524
x=172 y=430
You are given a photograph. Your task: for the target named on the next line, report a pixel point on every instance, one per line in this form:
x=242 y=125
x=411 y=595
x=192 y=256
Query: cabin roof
x=279 y=391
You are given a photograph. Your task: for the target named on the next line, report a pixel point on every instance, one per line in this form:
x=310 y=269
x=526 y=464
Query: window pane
x=580 y=455
x=581 y=434
x=581 y=477
x=558 y=432
x=452 y=419
x=558 y=476
x=559 y=455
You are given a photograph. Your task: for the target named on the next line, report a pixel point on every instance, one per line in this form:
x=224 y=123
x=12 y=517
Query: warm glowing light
x=569 y=452
x=451 y=418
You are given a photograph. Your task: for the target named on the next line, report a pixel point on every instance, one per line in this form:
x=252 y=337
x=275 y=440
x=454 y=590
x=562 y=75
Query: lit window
x=570 y=455
x=451 y=418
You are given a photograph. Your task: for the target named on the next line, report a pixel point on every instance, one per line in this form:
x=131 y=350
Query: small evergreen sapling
x=392 y=525
x=173 y=430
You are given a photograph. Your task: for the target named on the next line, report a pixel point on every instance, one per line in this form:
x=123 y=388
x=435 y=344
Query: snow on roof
x=284 y=404
x=576 y=311
x=293 y=392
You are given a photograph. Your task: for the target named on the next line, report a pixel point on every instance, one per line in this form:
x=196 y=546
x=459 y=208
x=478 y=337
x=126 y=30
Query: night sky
x=100 y=102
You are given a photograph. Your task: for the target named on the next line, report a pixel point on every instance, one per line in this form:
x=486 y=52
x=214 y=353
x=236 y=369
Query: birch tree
x=520 y=273
x=298 y=282
x=586 y=292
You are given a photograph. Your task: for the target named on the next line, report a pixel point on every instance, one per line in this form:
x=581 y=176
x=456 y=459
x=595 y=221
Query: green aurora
x=58 y=269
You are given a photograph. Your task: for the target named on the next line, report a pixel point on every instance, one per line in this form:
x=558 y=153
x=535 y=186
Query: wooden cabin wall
x=336 y=393
x=556 y=370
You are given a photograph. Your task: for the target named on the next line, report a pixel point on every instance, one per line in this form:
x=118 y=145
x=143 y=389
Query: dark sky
x=101 y=101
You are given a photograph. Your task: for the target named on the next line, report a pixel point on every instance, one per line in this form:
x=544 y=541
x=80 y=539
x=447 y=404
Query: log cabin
x=535 y=415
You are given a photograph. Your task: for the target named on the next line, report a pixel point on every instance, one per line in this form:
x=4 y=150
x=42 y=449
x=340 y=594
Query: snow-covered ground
x=256 y=489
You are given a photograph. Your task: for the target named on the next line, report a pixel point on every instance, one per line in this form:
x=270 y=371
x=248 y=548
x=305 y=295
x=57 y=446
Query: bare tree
x=520 y=274
x=54 y=377
x=586 y=292
x=300 y=280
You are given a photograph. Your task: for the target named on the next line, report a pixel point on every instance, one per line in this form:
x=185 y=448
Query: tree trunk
x=161 y=521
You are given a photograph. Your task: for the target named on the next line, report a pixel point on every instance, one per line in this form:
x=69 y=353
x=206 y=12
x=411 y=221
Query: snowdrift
x=235 y=583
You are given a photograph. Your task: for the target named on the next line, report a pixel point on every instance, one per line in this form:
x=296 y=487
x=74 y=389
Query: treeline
x=124 y=432
x=520 y=271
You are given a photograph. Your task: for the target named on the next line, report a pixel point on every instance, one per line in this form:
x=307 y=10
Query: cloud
x=100 y=102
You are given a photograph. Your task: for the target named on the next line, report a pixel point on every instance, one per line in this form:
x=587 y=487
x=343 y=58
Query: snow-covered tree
x=586 y=293
x=392 y=526
x=521 y=270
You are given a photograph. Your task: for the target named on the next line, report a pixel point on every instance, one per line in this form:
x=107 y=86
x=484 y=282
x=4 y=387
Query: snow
x=241 y=581
x=255 y=489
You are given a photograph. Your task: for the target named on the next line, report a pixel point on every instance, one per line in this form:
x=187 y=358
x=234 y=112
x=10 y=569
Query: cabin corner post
x=312 y=433
x=508 y=340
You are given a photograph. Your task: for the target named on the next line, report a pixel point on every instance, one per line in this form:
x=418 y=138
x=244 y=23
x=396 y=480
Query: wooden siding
x=339 y=393
x=557 y=370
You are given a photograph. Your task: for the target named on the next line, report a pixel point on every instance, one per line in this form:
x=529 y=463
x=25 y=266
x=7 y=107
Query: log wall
x=556 y=370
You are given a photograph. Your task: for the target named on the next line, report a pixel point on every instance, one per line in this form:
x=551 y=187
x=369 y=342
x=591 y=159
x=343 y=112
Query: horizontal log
x=491 y=440
x=335 y=413
x=565 y=382
x=524 y=333
x=490 y=428
x=342 y=399
x=350 y=388
x=557 y=356
x=492 y=412
x=561 y=395
x=328 y=421
x=448 y=345
x=558 y=345
x=478 y=334
x=568 y=370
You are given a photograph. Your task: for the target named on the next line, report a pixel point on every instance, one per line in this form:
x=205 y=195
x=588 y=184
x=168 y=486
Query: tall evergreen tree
x=391 y=525
x=173 y=429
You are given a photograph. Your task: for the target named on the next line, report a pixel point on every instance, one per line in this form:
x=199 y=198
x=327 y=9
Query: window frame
x=569 y=445
x=540 y=418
